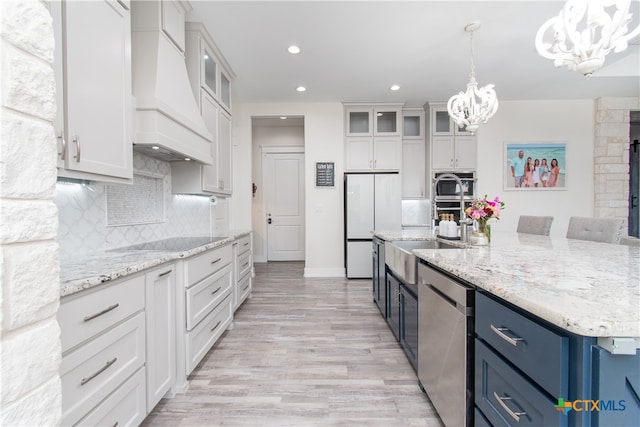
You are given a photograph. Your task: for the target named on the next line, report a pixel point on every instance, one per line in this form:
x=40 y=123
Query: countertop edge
x=144 y=260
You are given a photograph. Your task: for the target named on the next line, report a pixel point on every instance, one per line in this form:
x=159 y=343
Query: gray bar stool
x=607 y=230
x=531 y=224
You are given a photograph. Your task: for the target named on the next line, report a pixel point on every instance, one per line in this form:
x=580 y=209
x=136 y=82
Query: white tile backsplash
x=83 y=214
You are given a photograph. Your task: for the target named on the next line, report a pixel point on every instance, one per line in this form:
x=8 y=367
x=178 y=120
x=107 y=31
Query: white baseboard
x=324 y=272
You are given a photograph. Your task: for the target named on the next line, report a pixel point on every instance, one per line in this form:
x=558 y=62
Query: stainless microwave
x=449 y=189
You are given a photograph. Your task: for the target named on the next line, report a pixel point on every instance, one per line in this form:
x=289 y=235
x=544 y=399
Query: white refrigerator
x=372 y=202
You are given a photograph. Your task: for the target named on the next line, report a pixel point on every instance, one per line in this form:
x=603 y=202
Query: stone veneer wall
x=611 y=156
x=30 y=352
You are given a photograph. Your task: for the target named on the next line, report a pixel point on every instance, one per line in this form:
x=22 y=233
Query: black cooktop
x=173 y=244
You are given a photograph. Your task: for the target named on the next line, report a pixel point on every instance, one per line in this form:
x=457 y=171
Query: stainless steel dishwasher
x=445 y=345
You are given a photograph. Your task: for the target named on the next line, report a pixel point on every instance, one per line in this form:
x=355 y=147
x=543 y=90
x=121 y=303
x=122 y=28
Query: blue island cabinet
x=532 y=373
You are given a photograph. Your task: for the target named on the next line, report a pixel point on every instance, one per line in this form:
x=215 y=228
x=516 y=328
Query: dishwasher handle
x=467 y=311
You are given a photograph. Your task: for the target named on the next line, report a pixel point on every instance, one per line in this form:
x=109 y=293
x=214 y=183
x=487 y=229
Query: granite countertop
x=587 y=288
x=426 y=234
x=83 y=273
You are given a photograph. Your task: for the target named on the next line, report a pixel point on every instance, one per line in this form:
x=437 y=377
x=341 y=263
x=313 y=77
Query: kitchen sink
x=399 y=257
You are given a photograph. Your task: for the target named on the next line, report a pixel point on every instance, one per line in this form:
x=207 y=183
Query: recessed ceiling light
x=155 y=147
x=206 y=56
x=187 y=159
x=301 y=88
x=293 y=49
x=283 y=117
x=395 y=87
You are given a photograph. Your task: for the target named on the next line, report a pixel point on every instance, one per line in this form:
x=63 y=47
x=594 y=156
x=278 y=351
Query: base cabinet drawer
x=93 y=371
x=244 y=244
x=507 y=398
x=88 y=313
x=125 y=407
x=206 y=295
x=200 y=340
x=201 y=266
x=244 y=264
x=539 y=352
x=244 y=288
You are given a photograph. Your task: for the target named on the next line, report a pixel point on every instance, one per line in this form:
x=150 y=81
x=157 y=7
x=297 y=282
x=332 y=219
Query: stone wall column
x=611 y=156
x=30 y=351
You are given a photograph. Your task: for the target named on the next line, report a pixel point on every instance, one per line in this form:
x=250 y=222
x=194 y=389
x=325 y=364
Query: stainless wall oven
x=446 y=199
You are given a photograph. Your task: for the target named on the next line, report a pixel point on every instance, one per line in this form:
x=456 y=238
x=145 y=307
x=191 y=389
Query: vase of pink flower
x=484 y=212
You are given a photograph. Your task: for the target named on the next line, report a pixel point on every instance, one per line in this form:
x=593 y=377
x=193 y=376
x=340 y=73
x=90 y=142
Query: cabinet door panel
x=160 y=304
x=466 y=152
x=225 y=153
x=387 y=153
x=98 y=102
x=359 y=154
x=442 y=152
x=413 y=169
x=210 y=114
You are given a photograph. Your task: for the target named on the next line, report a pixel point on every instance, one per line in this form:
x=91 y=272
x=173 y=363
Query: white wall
x=535 y=121
x=324 y=139
x=262 y=137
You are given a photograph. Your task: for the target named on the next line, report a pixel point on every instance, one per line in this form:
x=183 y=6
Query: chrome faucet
x=464 y=221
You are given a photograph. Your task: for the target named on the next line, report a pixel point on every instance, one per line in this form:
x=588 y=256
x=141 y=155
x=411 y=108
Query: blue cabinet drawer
x=479 y=419
x=507 y=398
x=539 y=352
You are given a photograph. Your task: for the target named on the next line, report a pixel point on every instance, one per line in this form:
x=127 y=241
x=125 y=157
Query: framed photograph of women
x=535 y=166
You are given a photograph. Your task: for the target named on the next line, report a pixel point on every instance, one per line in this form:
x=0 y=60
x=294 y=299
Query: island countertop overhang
x=586 y=288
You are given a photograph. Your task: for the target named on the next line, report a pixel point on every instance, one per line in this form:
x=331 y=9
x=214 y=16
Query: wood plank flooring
x=302 y=352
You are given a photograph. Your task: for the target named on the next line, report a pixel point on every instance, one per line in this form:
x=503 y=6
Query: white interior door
x=284 y=203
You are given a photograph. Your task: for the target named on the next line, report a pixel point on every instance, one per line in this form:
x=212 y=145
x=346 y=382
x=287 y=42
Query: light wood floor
x=302 y=352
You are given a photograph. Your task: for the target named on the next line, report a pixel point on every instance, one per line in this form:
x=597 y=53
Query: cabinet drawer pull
x=245 y=264
x=499 y=331
x=99 y=371
x=515 y=415
x=115 y=425
x=246 y=244
x=217 y=324
x=214 y=292
x=245 y=288
x=165 y=273
x=105 y=311
x=215 y=260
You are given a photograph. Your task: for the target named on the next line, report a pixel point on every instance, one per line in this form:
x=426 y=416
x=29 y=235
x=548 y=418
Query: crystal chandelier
x=584 y=32
x=475 y=106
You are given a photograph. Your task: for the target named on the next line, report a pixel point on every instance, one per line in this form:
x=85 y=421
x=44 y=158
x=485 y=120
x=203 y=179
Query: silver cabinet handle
x=99 y=371
x=115 y=425
x=499 y=331
x=245 y=264
x=63 y=144
x=165 y=273
x=245 y=288
x=76 y=139
x=246 y=244
x=515 y=415
x=105 y=311
x=214 y=328
x=215 y=260
x=216 y=291
x=375 y=163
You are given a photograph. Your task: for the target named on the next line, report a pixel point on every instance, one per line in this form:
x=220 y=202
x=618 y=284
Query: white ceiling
x=353 y=51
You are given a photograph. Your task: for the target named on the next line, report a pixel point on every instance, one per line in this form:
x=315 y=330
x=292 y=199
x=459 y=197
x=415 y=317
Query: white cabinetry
x=210 y=77
x=373 y=137
x=242 y=267
x=94 y=124
x=452 y=148
x=204 y=307
x=161 y=347
x=413 y=154
x=103 y=354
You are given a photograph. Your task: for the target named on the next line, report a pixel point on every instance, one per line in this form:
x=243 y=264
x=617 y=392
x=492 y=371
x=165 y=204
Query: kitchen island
x=557 y=327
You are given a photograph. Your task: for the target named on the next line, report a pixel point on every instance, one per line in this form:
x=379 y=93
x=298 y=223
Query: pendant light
x=477 y=105
x=584 y=32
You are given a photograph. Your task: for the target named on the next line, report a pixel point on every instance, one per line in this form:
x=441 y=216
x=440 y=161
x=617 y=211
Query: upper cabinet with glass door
x=373 y=119
x=441 y=123
x=206 y=66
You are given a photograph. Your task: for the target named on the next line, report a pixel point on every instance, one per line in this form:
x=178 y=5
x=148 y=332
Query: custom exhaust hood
x=168 y=125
